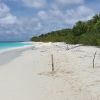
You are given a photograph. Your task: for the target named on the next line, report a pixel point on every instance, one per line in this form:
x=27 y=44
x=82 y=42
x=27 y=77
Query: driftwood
x=94 y=59
x=73 y=47
x=52 y=59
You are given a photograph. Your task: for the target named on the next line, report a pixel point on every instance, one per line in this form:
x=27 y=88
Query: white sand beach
x=26 y=74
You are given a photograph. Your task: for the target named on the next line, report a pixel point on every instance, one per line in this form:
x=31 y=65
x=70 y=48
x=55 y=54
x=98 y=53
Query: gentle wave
x=8 y=45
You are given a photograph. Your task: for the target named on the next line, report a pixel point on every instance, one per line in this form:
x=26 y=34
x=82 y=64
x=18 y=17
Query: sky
x=22 y=19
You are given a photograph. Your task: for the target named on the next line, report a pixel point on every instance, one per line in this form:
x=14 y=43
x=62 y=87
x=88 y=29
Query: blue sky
x=21 y=19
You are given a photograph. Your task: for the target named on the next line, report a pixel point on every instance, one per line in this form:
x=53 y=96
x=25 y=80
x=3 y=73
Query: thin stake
x=52 y=63
x=94 y=59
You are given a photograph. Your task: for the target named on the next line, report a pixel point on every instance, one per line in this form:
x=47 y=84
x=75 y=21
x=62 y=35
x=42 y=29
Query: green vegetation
x=87 y=33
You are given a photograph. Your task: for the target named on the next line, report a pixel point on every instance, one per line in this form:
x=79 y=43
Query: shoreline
x=8 y=55
x=14 y=48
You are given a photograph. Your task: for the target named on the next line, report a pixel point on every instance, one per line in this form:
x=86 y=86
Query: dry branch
x=73 y=47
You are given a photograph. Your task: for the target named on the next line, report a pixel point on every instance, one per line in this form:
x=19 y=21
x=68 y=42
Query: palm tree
x=96 y=18
x=79 y=28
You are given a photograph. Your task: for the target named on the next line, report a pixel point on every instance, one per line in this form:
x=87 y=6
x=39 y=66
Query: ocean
x=7 y=45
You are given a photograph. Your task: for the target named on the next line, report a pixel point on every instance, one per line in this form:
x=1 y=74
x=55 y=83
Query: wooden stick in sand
x=52 y=62
x=94 y=59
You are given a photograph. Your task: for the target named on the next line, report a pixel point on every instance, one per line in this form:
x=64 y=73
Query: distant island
x=83 y=32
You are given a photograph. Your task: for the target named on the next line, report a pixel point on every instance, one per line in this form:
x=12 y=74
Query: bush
x=88 y=39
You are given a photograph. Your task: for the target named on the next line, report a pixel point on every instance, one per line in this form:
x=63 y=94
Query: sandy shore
x=26 y=74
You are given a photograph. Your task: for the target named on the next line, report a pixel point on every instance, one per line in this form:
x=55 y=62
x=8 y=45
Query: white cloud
x=80 y=13
x=68 y=17
x=5 y=16
x=3 y=10
x=43 y=15
x=47 y=3
x=35 y=3
x=70 y=1
x=9 y=19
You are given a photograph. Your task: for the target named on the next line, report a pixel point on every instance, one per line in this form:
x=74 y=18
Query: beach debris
x=94 y=58
x=73 y=47
x=52 y=59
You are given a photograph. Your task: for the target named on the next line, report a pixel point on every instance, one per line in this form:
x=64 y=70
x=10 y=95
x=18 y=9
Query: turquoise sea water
x=7 y=45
